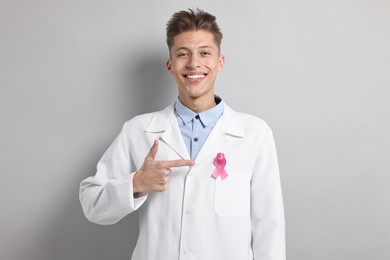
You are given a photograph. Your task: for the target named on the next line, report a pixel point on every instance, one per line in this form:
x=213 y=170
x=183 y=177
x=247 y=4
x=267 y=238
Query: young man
x=203 y=178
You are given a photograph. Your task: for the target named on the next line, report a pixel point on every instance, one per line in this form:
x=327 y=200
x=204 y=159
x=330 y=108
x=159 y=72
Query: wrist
x=136 y=189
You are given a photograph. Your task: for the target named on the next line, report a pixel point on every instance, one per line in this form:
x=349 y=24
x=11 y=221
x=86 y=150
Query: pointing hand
x=153 y=176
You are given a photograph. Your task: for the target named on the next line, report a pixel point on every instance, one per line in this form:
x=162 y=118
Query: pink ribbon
x=220 y=162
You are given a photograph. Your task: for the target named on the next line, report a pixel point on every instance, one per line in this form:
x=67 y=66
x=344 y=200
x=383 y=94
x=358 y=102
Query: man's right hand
x=153 y=176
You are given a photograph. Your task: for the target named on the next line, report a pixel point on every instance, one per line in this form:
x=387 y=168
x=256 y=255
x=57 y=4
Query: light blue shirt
x=195 y=128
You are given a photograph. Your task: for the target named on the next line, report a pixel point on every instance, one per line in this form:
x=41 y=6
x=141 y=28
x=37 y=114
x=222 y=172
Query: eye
x=182 y=54
x=205 y=53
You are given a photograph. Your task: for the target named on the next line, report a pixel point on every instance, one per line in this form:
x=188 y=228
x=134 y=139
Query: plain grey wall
x=318 y=72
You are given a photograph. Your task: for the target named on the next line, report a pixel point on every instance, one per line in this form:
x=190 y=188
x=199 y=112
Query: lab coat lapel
x=166 y=123
x=172 y=137
x=228 y=126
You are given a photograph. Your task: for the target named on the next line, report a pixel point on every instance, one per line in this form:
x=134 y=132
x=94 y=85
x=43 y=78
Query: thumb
x=153 y=151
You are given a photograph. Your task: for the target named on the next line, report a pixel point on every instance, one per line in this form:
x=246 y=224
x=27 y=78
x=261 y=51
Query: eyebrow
x=205 y=47
x=200 y=47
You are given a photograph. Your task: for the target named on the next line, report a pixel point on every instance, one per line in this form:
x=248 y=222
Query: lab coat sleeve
x=108 y=196
x=267 y=212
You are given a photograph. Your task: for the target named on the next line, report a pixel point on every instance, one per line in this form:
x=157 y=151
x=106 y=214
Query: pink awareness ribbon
x=220 y=162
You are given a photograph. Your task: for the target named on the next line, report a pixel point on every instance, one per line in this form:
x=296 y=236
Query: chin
x=193 y=91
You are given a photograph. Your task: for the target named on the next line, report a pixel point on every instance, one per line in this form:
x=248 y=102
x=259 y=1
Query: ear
x=221 y=62
x=169 y=66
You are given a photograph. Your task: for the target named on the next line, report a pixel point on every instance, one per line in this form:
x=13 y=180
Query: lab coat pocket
x=232 y=195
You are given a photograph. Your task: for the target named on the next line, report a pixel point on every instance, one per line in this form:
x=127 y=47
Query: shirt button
x=196 y=139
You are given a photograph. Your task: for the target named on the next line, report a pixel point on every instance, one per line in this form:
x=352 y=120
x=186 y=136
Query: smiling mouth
x=195 y=76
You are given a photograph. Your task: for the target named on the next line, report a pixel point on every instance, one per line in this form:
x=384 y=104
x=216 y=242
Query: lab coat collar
x=230 y=125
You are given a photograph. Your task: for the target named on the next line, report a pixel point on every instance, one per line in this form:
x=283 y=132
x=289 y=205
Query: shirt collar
x=206 y=117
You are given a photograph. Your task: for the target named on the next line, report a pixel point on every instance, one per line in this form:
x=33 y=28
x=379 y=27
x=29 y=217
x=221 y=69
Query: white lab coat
x=197 y=217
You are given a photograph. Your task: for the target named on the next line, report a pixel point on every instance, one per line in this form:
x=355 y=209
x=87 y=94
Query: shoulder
x=245 y=120
x=142 y=121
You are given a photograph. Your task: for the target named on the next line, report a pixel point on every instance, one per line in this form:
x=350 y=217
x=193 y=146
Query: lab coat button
x=188 y=212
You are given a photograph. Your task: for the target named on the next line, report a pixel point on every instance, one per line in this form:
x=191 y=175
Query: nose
x=193 y=63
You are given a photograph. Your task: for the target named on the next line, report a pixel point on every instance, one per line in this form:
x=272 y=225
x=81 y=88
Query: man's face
x=194 y=64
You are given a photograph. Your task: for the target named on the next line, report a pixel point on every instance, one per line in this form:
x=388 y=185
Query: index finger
x=153 y=150
x=177 y=163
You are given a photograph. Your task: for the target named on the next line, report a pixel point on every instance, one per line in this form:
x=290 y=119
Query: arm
x=267 y=213
x=118 y=189
x=108 y=196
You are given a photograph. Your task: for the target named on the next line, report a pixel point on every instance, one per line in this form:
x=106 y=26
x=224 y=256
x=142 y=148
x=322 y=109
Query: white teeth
x=195 y=76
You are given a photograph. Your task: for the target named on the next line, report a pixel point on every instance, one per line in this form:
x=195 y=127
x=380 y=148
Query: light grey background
x=317 y=71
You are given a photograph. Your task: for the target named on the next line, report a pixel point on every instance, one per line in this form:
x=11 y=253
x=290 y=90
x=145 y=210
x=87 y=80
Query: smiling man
x=203 y=178
x=194 y=64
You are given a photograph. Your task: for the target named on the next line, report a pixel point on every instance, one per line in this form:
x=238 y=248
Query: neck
x=198 y=105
